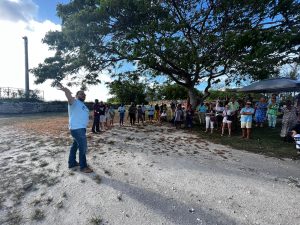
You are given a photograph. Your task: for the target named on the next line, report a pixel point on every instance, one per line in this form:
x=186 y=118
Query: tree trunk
x=193 y=97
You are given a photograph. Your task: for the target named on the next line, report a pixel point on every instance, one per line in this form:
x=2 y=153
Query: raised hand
x=61 y=87
x=68 y=93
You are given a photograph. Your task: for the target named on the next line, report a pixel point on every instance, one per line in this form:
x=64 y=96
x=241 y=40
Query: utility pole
x=26 y=68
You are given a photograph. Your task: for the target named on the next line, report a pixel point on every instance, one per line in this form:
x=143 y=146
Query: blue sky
x=47 y=9
x=32 y=18
x=24 y=10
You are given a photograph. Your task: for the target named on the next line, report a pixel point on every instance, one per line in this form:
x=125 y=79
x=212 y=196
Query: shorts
x=225 y=120
x=246 y=125
x=108 y=117
x=102 y=119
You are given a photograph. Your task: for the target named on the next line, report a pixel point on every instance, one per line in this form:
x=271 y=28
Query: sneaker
x=86 y=170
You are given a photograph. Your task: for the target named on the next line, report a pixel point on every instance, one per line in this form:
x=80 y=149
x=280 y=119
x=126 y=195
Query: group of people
x=249 y=113
x=224 y=116
x=182 y=115
x=138 y=113
x=104 y=115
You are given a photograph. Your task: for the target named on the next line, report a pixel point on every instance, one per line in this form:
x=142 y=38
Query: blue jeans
x=79 y=142
x=122 y=115
x=96 y=123
x=189 y=121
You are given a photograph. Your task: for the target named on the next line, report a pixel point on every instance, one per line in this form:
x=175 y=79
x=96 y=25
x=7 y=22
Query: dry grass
x=54 y=126
x=264 y=141
x=60 y=204
x=38 y=215
x=14 y=217
x=97 y=178
x=95 y=220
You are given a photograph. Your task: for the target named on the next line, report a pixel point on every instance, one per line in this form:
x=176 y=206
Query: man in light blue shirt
x=151 y=110
x=202 y=108
x=246 y=120
x=78 y=121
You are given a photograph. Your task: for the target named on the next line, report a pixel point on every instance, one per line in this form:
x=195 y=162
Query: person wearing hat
x=246 y=120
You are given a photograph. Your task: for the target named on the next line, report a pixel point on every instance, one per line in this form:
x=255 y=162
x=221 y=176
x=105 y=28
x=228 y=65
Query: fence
x=15 y=93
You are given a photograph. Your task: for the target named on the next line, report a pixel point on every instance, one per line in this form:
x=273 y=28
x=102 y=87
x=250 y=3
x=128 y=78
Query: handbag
x=229 y=117
x=213 y=119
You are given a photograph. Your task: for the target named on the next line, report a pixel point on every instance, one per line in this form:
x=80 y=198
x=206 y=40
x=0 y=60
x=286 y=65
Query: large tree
x=127 y=90
x=169 y=91
x=190 y=41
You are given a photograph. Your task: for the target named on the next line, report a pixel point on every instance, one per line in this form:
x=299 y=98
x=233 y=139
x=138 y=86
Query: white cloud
x=12 y=56
x=16 y=10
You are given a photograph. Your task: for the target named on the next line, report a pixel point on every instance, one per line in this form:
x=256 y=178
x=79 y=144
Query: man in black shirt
x=95 y=127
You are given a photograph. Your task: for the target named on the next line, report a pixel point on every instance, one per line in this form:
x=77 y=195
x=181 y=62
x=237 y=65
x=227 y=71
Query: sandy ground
x=143 y=175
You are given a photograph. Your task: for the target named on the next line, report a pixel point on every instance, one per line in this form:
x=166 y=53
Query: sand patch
x=143 y=175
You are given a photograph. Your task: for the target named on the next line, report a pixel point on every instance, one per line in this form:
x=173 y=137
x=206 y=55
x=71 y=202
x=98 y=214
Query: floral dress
x=272 y=114
x=261 y=111
x=289 y=120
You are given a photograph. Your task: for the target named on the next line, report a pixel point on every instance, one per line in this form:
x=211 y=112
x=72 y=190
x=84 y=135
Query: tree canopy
x=130 y=89
x=191 y=41
x=171 y=92
x=127 y=91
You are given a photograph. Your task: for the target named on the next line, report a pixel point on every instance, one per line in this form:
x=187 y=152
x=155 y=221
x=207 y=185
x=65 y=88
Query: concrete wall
x=32 y=107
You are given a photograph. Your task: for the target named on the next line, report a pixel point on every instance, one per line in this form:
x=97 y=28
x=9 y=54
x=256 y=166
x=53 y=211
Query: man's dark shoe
x=76 y=164
x=86 y=170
